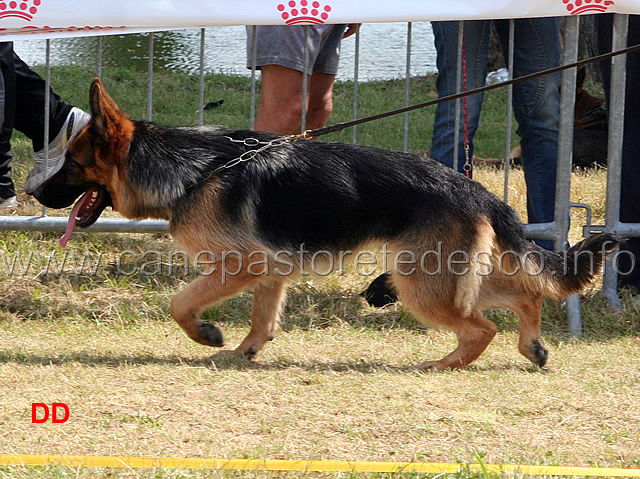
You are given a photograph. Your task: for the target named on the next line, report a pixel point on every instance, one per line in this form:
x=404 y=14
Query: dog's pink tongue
x=73 y=217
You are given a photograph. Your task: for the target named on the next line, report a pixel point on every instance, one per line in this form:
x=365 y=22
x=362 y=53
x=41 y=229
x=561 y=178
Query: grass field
x=337 y=382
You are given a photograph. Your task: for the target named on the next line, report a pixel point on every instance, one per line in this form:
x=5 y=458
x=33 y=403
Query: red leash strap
x=467 y=145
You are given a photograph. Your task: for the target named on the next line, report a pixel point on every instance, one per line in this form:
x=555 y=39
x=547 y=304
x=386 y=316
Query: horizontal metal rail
x=103 y=225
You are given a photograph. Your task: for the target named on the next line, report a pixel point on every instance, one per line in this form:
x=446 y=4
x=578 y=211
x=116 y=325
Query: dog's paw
x=540 y=353
x=226 y=354
x=211 y=334
x=427 y=366
x=247 y=353
x=251 y=353
x=237 y=353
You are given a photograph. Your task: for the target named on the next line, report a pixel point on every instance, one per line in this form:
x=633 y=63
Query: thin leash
x=252 y=143
x=308 y=134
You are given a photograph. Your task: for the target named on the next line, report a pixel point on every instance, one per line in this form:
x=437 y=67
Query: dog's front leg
x=268 y=298
x=203 y=292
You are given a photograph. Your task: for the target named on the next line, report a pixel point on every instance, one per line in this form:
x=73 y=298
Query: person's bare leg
x=320 y=103
x=280 y=107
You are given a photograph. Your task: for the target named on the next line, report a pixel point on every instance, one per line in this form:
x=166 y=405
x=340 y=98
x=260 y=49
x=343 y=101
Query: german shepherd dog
x=458 y=248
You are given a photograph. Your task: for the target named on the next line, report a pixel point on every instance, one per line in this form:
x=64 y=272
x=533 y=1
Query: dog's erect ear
x=105 y=114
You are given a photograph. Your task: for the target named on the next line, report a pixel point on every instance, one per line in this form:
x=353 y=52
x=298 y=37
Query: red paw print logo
x=304 y=11
x=576 y=7
x=24 y=9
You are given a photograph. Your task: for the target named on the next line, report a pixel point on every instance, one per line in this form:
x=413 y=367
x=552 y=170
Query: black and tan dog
x=454 y=247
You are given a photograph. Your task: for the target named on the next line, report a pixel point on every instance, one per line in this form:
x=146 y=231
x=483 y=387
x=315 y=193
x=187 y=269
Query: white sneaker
x=42 y=171
x=9 y=203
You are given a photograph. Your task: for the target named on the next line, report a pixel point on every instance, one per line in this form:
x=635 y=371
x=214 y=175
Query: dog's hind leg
x=268 y=299
x=432 y=303
x=201 y=293
x=529 y=309
x=474 y=333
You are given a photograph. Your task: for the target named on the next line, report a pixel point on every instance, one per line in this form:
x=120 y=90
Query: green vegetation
x=175 y=100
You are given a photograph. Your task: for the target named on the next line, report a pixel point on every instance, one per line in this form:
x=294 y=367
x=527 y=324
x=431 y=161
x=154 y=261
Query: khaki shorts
x=284 y=45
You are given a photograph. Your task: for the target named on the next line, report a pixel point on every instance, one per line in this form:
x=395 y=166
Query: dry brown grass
x=333 y=393
x=336 y=383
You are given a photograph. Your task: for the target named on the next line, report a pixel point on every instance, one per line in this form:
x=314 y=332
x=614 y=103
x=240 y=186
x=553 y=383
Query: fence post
x=565 y=160
x=305 y=83
x=456 y=128
x=356 y=86
x=99 y=58
x=614 y=148
x=47 y=112
x=407 y=90
x=201 y=88
x=150 y=80
x=507 y=156
x=254 y=54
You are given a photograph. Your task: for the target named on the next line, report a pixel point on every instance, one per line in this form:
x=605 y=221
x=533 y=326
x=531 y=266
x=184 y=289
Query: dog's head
x=590 y=111
x=94 y=161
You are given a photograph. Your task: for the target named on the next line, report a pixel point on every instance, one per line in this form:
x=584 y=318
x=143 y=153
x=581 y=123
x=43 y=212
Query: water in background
x=382 y=51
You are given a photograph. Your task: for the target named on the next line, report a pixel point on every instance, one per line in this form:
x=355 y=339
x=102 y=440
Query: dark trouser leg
x=536 y=105
x=30 y=92
x=7 y=103
x=630 y=188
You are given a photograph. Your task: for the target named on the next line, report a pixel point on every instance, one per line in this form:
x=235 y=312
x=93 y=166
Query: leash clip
x=305 y=135
x=467 y=162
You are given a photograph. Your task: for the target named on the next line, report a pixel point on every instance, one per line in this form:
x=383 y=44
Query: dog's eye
x=73 y=161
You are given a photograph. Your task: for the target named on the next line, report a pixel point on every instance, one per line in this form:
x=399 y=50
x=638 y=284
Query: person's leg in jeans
x=630 y=187
x=476 y=44
x=536 y=106
x=7 y=114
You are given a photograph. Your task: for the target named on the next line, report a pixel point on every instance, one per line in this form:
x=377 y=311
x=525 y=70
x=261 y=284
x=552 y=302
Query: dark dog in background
x=257 y=194
x=590 y=129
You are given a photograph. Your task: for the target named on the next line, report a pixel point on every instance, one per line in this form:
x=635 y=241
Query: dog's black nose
x=53 y=195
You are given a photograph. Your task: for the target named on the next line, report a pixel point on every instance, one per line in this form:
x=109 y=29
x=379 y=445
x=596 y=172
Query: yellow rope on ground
x=307 y=466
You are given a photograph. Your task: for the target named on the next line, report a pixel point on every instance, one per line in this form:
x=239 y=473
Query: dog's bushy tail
x=554 y=274
x=573 y=270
